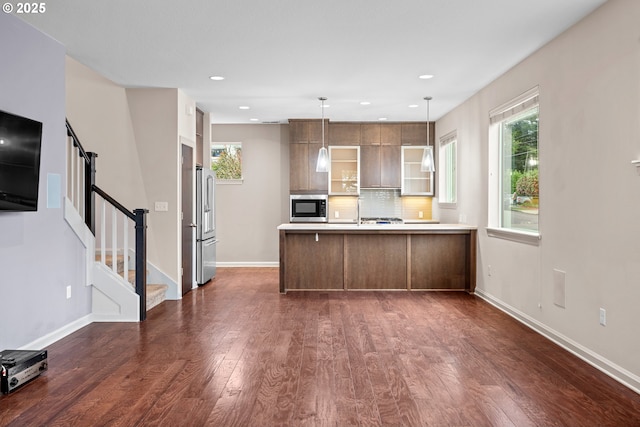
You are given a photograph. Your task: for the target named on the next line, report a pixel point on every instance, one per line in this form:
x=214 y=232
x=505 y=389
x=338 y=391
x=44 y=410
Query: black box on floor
x=18 y=367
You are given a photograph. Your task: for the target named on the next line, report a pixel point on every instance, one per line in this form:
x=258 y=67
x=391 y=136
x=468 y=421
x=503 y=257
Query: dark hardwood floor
x=237 y=353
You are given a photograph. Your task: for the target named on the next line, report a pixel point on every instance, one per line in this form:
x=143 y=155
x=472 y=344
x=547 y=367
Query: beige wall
x=137 y=135
x=153 y=114
x=589 y=81
x=247 y=214
x=99 y=114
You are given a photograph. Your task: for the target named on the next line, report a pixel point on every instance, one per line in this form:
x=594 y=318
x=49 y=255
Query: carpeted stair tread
x=155 y=293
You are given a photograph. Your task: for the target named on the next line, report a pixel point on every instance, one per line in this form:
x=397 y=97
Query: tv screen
x=20 y=140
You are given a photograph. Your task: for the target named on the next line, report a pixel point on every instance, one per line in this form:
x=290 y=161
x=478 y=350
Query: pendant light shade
x=323 y=155
x=427 y=164
x=323 y=160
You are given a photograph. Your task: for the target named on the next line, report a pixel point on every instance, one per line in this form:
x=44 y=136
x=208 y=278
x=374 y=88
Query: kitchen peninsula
x=377 y=257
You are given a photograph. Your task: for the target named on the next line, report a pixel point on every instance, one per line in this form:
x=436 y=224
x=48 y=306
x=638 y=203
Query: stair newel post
x=89 y=198
x=141 y=259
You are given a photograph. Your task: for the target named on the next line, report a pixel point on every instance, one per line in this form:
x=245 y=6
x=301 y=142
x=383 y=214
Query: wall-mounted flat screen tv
x=20 y=140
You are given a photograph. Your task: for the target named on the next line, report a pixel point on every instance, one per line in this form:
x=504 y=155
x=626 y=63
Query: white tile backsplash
x=385 y=203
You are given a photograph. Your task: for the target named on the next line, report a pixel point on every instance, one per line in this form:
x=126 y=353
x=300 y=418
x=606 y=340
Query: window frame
x=227 y=180
x=497 y=117
x=446 y=176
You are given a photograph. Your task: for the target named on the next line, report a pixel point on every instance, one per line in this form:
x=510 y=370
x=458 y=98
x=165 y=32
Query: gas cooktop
x=381 y=220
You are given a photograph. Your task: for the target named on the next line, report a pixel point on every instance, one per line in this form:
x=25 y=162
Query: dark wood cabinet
x=370 y=166
x=312 y=261
x=380 y=152
x=344 y=134
x=370 y=133
x=305 y=140
x=375 y=261
x=352 y=257
x=416 y=133
x=440 y=261
x=380 y=166
x=199 y=137
x=390 y=133
x=390 y=166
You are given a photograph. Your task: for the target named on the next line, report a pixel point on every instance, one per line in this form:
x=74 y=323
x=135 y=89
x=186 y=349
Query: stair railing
x=82 y=190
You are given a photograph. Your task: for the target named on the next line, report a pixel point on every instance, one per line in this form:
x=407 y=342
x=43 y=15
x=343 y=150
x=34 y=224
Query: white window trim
x=519 y=236
x=229 y=181
x=522 y=102
x=444 y=140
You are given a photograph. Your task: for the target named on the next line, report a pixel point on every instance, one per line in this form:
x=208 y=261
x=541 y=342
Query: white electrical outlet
x=68 y=292
x=603 y=317
x=420 y=214
x=489 y=270
x=336 y=214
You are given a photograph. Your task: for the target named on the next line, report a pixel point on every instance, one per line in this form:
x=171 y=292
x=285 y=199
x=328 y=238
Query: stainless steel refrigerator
x=206 y=226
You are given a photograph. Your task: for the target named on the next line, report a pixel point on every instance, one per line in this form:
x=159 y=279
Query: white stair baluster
x=103 y=233
x=125 y=246
x=114 y=240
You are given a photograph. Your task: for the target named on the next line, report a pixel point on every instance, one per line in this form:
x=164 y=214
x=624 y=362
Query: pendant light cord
x=322 y=99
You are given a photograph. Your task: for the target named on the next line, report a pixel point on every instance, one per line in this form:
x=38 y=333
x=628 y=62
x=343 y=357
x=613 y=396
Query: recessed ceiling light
x=425 y=76
x=413 y=106
x=254 y=120
x=365 y=103
x=244 y=107
x=382 y=119
x=216 y=78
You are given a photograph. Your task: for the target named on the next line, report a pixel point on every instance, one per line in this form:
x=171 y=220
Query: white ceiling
x=279 y=56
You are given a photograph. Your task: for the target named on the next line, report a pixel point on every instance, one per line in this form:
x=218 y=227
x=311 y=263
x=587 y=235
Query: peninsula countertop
x=407 y=227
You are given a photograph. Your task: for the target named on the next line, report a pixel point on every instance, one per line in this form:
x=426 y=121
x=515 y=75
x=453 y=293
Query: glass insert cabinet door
x=414 y=181
x=344 y=170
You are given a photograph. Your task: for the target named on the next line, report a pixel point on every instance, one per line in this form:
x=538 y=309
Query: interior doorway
x=187 y=222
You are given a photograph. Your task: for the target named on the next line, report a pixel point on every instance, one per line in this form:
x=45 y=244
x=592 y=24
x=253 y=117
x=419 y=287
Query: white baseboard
x=616 y=372
x=58 y=334
x=247 y=264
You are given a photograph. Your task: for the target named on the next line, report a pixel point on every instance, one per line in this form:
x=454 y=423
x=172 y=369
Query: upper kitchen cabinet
x=305 y=137
x=370 y=134
x=380 y=155
x=416 y=133
x=390 y=133
x=344 y=134
x=199 y=136
x=344 y=170
x=414 y=181
x=380 y=166
x=304 y=131
x=380 y=133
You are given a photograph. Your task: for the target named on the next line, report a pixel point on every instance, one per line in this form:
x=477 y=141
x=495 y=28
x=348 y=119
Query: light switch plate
x=161 y=206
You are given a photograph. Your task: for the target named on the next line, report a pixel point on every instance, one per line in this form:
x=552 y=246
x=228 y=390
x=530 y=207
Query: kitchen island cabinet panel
x=376 y=257
x=375 y=261
x=439 y=261
x=313 y=264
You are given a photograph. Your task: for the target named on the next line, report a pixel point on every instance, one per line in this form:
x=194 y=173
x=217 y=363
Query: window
x=448 y=170
x=226 y=160
x=514 y=162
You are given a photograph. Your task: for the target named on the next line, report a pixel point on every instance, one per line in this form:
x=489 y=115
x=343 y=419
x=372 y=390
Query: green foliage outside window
x=226 y=161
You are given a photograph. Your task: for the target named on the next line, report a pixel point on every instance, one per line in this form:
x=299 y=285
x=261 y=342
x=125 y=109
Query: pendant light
x=323 y=155
x=427 y=164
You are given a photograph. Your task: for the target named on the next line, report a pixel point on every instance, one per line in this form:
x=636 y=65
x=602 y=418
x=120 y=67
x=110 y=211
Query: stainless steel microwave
x=308 y=208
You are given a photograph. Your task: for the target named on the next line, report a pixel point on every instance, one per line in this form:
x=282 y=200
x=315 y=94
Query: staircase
x=156 y=293
x=106 y=228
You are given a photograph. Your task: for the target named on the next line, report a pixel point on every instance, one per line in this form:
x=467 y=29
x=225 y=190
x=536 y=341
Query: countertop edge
x=374 y=227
